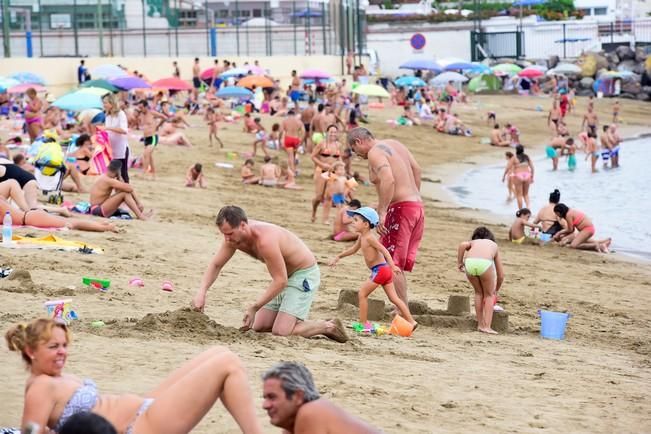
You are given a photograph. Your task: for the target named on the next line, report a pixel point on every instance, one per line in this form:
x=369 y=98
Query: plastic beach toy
x=97 y=324
x=552 y=324
x=368 y=328
x=401 y=327
x=61 y=309
x=167 y=286
x=101 y=284
x=136 y=281
x=224 y=165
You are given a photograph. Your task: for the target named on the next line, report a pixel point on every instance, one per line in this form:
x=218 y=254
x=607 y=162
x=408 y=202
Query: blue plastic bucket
x=552 y=324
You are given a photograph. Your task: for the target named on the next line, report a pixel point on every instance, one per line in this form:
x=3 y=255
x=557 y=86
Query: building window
x=257 y=13
x=188 y=18
x=600 y=11
x=245 y=14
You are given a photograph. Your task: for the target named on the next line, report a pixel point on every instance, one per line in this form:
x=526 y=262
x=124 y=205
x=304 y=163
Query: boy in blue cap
x=378 y=259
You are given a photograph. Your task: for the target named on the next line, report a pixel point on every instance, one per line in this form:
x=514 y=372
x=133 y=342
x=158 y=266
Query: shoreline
x=439 y=178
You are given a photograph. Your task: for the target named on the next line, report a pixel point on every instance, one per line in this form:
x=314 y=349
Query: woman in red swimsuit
x=576 y=219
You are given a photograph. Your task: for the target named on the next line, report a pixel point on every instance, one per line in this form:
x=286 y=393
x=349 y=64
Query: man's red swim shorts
x=405 y=222
x=292 y=142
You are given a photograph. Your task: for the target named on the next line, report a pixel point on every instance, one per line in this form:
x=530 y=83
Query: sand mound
x=186 y=323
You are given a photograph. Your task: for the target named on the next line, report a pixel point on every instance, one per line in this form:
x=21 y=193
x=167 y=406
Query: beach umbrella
x=128 y=83
x=99 y=91
x=459 y=66
x=371 y=90
x=206 y=74
x=424 y=64
x=567 y=68
x=257 y=70
x=22 y=88
x=507 y=68
x=314 y=74
x=108 y=71
x=410 y=82
x=6 y=83
x=319 y=80
x=104 y=84
x=234 y=92
x=28 y=77
x=255 y=80
x=88 y=114
x=307 y=13
x=78 y=101
x=445 y=77
x=171 y=83
x=484 y=82
x=480 y=68
x=529 y=72
x=235 y=72
x=528 y=3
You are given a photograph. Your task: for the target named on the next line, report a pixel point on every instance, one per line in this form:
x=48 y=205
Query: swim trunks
x=151 y=140
x=295 y=95
x=196 y=82
x=615 y=151
x=551 y=152
x=571 y=162
x=381 y=274
x=296 y=298
x=339 y=236
x=96 y=210
x=519 y=240
x=405 y=223
x=260 y=135
x=292 y=142
x=338 y=199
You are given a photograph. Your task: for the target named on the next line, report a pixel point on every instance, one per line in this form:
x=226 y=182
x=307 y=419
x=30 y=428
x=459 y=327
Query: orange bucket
x=401 y=327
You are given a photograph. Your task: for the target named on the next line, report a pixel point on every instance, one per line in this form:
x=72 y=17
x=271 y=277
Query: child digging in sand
x=194 y=176
x=516 y=233
x=378 y=260
x=480 y=260
x=248 y=177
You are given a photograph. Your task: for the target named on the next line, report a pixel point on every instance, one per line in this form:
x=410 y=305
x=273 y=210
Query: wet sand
x=441 y=380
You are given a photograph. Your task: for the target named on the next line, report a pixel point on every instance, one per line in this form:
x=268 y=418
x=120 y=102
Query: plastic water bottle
x=7 y=229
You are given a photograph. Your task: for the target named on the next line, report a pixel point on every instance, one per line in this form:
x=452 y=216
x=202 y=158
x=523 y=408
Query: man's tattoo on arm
x=379 y=168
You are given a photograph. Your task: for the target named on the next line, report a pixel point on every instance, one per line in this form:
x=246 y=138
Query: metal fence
x=155 y=28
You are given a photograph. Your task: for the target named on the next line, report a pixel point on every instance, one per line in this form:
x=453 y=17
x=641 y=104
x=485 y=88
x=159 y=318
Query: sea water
x=617 y=200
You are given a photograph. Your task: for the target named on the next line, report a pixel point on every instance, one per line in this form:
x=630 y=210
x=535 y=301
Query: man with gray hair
x=396 y=176
x=293 y=403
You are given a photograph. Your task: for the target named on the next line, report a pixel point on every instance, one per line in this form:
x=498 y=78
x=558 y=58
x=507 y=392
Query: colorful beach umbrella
x=206 y=74
x=566 y=68
x=99 y=91
x=371 y=90
x=314 y=74
x=28 y=77
x=484 y=82
x=235 y=72
x=108 y=71
x=424 y=64
x=104 y=84
x=78 y=101
x=22 y=88
x=255 y=80
x=7 y=83
x=171 y=83
x=410 y=82
x=480 y=68
x=257 y=70
x=234 y=92
x=507 y=68
x=128 y=83
x=445 y=77
x=529 y=72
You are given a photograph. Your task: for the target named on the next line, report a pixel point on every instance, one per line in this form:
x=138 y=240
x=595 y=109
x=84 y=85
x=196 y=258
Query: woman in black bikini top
x=12 y=171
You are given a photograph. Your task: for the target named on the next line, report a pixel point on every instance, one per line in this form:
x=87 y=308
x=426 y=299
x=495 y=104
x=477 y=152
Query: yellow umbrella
x=94 y=91
x=371 y=90
x=255 y=80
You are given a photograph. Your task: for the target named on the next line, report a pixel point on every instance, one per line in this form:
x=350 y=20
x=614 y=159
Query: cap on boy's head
x=368 y=213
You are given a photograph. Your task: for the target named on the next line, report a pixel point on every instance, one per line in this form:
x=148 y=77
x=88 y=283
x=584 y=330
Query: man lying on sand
x=104 y=203
x=295 y=277
x=293 y=403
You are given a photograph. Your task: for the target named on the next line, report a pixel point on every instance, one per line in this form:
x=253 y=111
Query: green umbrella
x=508 y=68
x=484 y=82
x=100 y=83
x=371 y=90
x=94 y=90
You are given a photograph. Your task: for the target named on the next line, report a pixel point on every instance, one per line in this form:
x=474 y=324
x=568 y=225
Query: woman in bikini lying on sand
x=177 y=405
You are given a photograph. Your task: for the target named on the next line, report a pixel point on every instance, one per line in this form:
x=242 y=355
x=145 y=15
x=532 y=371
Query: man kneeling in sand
x=295 y=277
x=104 y=202
x=293 y=403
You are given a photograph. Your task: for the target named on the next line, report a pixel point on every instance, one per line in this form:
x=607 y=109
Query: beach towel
x=51 y=242
x=102 y=155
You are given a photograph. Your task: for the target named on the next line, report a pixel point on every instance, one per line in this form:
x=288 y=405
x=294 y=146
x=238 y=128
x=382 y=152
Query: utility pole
x=100 y=26
x=5 y=28
x=74 y=26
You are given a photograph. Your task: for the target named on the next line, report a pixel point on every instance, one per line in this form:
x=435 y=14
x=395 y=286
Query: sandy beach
x=440 y=380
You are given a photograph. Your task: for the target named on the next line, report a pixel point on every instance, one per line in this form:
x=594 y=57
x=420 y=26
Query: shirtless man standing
x=318 y=125
x=293 y=403
x=306 y=117
x=291 y=136
x=295 y=93
x=104 y=203
x=147 y=120
x=196 y=79
x=283 y=307
x=591 y=120
x=396 y=176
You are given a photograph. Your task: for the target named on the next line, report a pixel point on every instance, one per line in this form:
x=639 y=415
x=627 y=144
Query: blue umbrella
x=459 y=66
x=28 y=77
x=480 y=68
x=78 y=101
x=410 y=82
x=235 y=72
x=319 y=80
x=234 y=92
x=128 y=83
x=528 y=3
x=424 y=64
x=6 y=83
x=108 y=71
x=307 y=13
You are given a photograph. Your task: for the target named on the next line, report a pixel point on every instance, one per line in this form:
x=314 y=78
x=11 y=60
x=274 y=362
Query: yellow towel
x=50 y=242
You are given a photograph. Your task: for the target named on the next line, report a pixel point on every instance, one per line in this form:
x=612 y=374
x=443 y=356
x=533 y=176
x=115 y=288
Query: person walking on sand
x=521 y=168
x=480 y=260
x=379 y=261
x=291 y=137
x=292 y=401
x=284 y=306
x=396 y=175
x=104 y=202
x=117 y=127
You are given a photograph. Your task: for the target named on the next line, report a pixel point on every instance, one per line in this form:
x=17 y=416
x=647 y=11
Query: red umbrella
x=530 y=73
x=207 y=74
x=171 y=83
x=22 y=88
